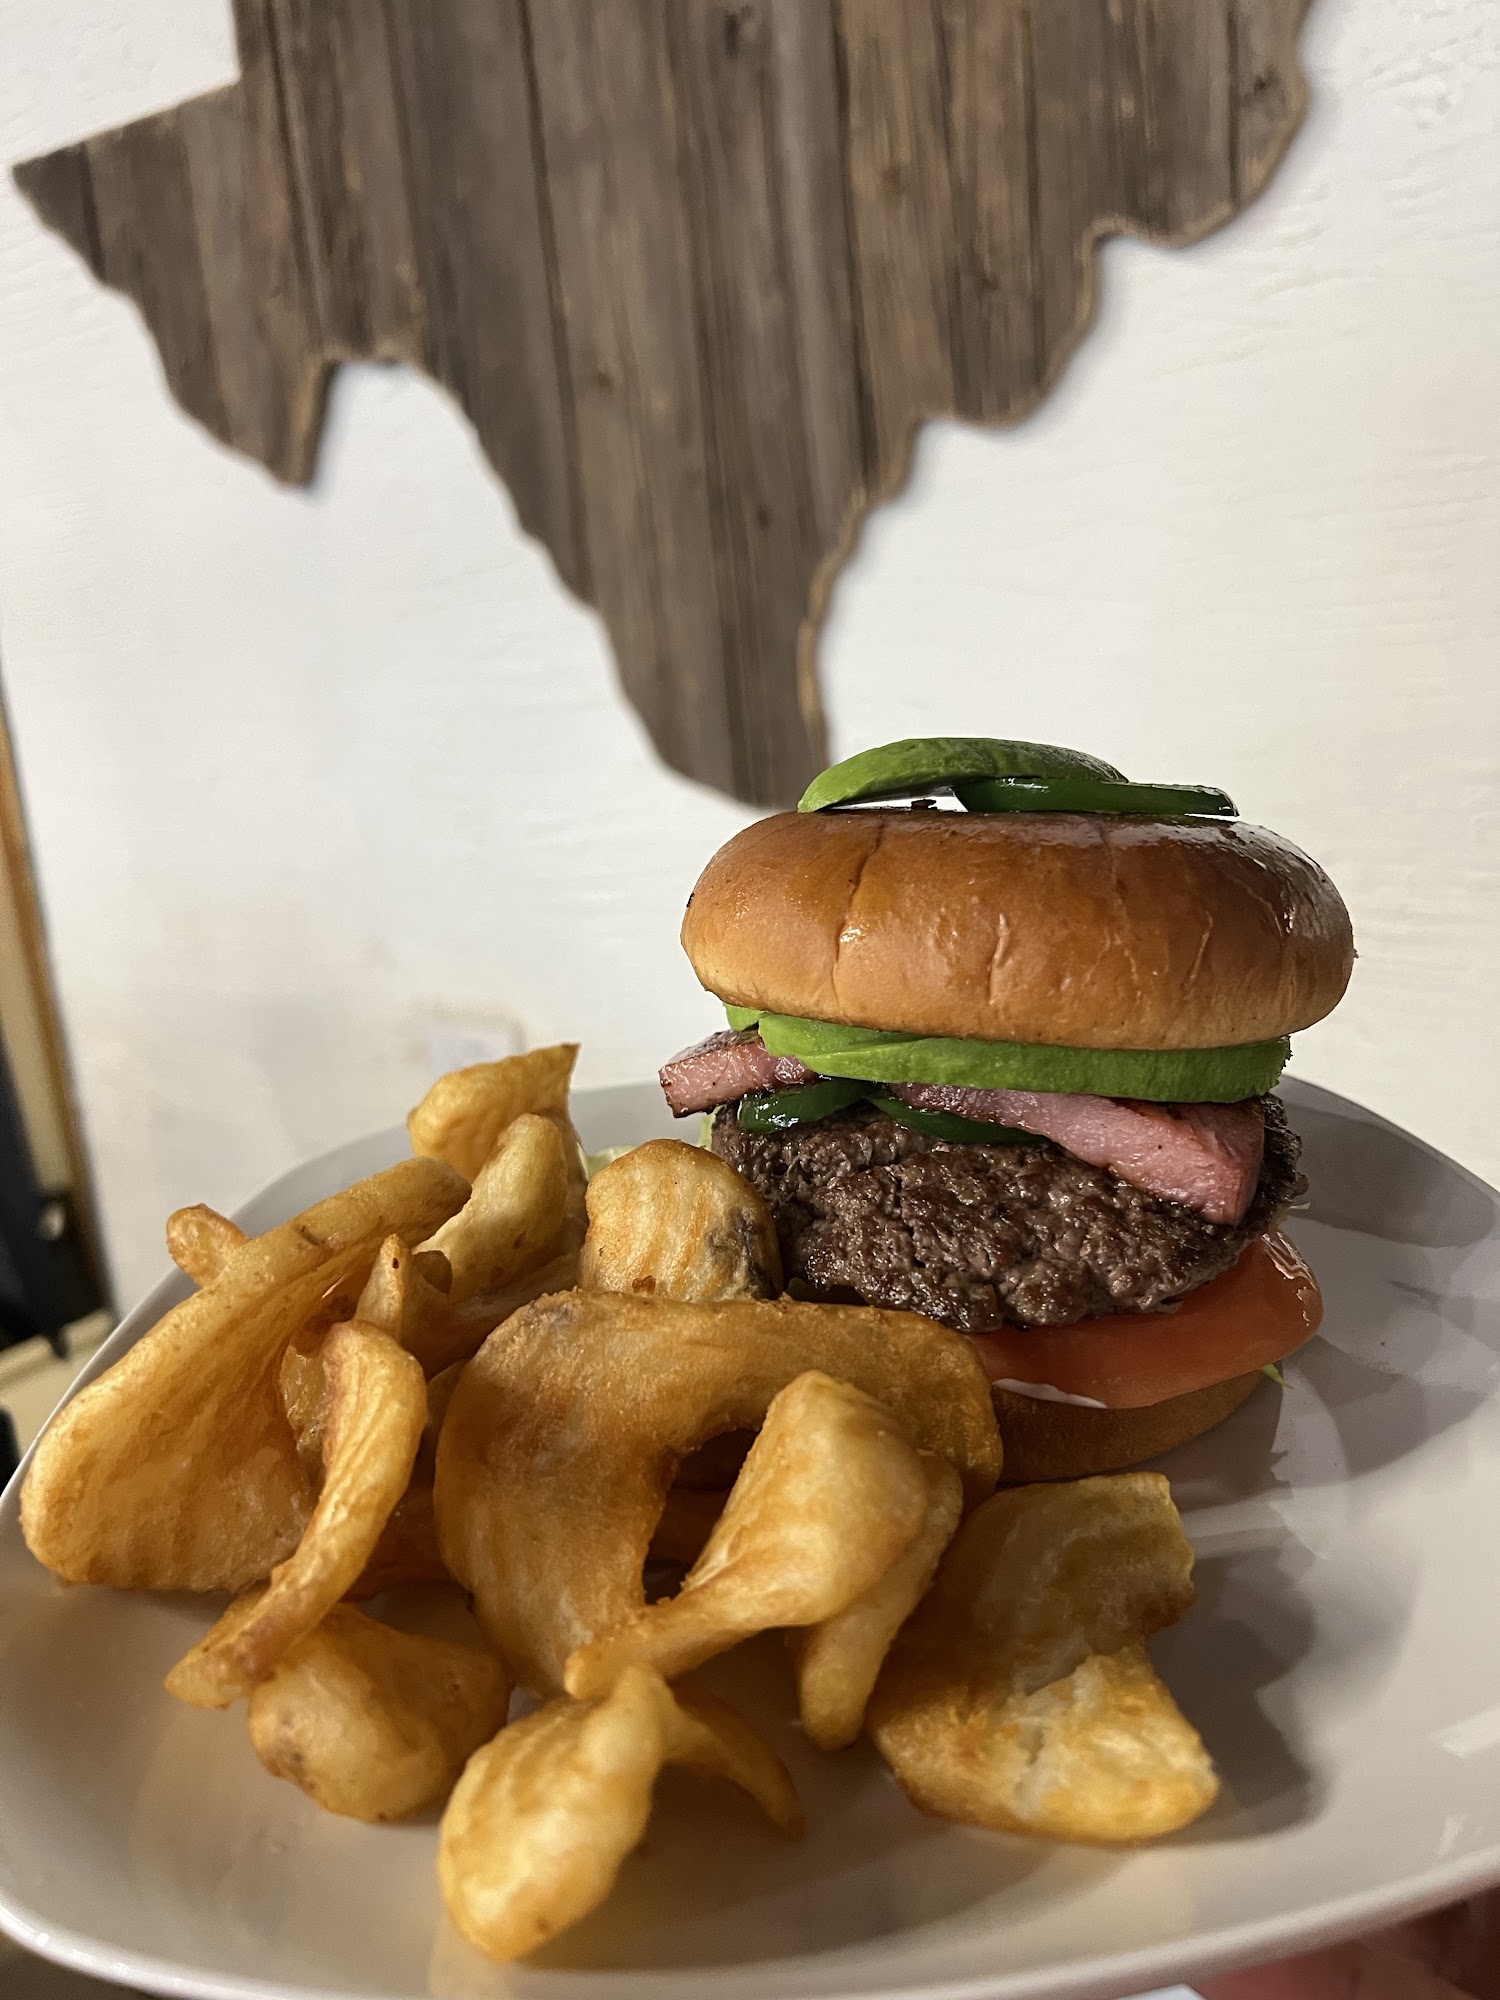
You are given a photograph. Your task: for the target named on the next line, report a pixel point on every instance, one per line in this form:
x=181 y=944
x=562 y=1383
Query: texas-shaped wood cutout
x=695 y=269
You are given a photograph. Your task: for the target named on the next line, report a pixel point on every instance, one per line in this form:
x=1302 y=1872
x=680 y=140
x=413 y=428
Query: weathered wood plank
x=270 y=362
x=1268 y=90
x=819 y=256
x=614 y=169
x=142 y=172
x=483 y=244
x=763 y=466
x=997 y=346
x=901 y=208
x=696 y=269
x=58 y=187
x=338 y=92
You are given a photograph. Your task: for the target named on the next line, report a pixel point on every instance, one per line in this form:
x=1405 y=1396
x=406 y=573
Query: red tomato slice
x=1260 y=1310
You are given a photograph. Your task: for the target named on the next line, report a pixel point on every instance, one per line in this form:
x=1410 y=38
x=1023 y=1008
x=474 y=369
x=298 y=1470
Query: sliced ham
x=1206 y=1156
x=725 y=1067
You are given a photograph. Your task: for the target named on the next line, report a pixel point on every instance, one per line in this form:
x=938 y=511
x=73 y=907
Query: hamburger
x=1003 y=1037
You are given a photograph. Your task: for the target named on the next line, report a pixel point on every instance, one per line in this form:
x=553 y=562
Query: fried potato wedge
x=408 y=1551
x=201 y=1242
x=831 y=1495
x=839 y=1660
x=566 y=1431
x=377 y=1407
x=677 y=1222
x=505 y=1239
x=177 y=1469
x=400 y=1295
x=461 y=1118
x=543 y=1816
x=459 y=1333
x=1019 y=1694
x=303 y=1388
x=516 y=1214
x=374 y=1723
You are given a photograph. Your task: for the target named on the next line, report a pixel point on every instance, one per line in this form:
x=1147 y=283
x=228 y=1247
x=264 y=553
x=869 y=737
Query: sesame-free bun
x=1044 y=1440
x=1087 y=931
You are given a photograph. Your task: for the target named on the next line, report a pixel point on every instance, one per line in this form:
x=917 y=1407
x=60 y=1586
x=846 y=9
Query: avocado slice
x=919 y=763
x=1163 y=1076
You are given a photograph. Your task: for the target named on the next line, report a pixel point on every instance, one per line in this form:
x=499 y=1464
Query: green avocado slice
x=918 y=762
x=1164 y=1076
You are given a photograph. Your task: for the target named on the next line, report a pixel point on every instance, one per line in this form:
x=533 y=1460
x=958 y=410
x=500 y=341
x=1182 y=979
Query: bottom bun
x=1066 y=1441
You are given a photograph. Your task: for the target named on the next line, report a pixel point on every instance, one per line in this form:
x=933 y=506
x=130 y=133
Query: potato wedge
x=1019 y=1694
x=673 y=1221
x=461 y=1118
x=831 y=1495
x=839 y=1660
x=177 y=1469
x=516 y=1213
x=201 y=1242
x=543 y=1816
x=374 y=1723
x=377 y=1407
x=567 y=1429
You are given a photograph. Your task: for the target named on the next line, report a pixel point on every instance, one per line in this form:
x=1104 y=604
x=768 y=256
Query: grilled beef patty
x=977 y=1235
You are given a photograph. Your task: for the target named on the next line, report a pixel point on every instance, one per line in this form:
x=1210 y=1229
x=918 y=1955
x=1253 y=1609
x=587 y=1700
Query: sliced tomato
x=1260 y=1310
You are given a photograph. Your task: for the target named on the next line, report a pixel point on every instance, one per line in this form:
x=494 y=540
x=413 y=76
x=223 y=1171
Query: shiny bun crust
x=1063 y=1441
x=1028 y=927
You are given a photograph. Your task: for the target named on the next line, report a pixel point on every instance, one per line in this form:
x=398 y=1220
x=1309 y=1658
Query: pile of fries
x=481 y=1369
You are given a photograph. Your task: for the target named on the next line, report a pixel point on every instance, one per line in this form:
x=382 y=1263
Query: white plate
x=1343 y=1662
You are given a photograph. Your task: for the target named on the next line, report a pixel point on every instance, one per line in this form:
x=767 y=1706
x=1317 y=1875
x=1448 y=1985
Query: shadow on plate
x=1249 y=1628
x=1370 y=1177
x=1234 y=1461
x=1268 y=1608
x=1380 y=1415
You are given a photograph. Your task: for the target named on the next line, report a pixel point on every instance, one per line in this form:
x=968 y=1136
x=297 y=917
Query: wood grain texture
x=695 y=269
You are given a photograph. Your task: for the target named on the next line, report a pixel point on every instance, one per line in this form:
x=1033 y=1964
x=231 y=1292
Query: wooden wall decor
x=696 y=269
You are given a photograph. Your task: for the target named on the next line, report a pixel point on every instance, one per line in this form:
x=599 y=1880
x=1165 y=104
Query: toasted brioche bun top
x=1085 y=931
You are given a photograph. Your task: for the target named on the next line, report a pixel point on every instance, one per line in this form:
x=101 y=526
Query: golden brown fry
x=377 y=1406
x=677 y=1222
x=375 y=1723
x=458 y=1334
x=461 y=1118
x=831 y=1495
x=304 y=1395
x=839 y=1661
x=543 y=1816
x=408 y=1551
x=1019 y=1694
x=302 y=1383
x=177 y=1469
x=471 y=1315
x=566 y=1431
x=399 y=1295
x=201 y=1242
x=382 y=1300
x=516 y=1214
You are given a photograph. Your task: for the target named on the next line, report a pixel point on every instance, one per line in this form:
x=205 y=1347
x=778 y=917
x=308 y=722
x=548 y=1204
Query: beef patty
x=977 y=1235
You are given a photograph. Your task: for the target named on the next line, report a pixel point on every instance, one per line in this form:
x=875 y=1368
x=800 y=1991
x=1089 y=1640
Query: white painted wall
x=330 y=789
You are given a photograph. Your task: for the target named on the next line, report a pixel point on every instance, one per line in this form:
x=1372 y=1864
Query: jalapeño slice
x=921 y=763
x=1076 y=794
x=780 y=1110
x=948 y=1125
